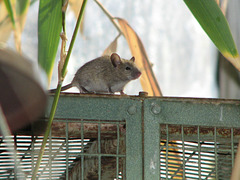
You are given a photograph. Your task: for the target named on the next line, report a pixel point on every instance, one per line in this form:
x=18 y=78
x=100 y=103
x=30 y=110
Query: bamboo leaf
x=148 y=81
x=49 y=28
x=10 y=11
x=21 y=12
x=75 y=5
x=5 y=23
x=21 y=8
x=112 y=47
x=212 y=20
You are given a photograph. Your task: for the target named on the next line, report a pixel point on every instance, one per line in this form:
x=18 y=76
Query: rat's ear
x=115 y=59
x=132 y=59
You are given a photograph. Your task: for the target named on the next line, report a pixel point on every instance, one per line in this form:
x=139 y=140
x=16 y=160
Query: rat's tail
x=68 y=86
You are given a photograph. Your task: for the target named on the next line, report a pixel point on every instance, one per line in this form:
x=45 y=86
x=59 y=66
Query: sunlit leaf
x=148 y=81
x=21 y=8
x=21 y=12
x=10 y=11
x=75 y=6
x=49 y=28
x=112 y=47
x=212 y=20
x=5 y=23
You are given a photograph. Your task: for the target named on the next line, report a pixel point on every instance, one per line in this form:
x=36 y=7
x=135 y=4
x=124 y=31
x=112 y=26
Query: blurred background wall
x=184 y=59
x=228 y=76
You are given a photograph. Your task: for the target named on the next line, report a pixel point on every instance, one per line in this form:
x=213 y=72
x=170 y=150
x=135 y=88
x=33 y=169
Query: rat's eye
x=128 y=68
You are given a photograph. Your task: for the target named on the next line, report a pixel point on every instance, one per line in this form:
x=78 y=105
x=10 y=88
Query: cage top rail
x=168 y=110
x=93 y=109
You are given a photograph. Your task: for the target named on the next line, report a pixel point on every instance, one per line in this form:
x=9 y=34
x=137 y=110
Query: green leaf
x=49 y=28
x=212 y=20
x=22 y=6
x=10 y=11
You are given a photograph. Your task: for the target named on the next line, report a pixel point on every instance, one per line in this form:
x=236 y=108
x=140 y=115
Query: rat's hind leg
x=110 y=90
x=122 y=93
x=83 y=90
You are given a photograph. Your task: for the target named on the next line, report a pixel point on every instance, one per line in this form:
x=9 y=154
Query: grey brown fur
x=106 y=74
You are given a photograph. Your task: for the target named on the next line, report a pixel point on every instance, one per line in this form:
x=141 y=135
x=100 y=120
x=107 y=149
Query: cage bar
x=138 y=137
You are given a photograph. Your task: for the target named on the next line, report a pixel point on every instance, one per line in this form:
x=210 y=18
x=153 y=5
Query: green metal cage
x=128 y=137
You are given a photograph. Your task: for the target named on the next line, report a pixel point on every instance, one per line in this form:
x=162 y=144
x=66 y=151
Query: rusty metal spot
x=190 y=131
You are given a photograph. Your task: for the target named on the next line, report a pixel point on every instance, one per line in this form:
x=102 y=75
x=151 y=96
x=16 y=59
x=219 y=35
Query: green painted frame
x=143 y=116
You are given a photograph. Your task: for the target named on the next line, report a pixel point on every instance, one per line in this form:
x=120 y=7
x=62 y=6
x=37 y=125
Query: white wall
x=183 y=56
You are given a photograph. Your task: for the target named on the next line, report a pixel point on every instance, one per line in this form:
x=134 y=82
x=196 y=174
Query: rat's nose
x=137 y=74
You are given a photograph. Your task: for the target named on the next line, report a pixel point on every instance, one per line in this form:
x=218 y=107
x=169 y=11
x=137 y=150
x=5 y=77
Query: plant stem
x=73 y=37
x=7 y=137
x=109 y=16
x=53 y=110
x=64 y=9
x=56 y=97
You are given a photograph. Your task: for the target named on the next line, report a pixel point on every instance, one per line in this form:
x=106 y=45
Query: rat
x=105 y=74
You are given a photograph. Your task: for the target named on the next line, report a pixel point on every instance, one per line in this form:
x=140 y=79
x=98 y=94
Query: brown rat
x=106 y=74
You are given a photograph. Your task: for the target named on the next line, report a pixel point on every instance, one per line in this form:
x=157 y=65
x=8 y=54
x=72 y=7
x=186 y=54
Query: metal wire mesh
x=132 y=138
x=68 y=156
x=205 y=156
x=208 y=155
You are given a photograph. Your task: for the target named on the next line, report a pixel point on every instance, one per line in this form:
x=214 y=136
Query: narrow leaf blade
x=111 y=48
x=21 y=8
x=212 y=20
x=21 y=12
x=148 y=81
x=74 y=5
x=5 y=23
x=10 y=11
x=49 y=28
